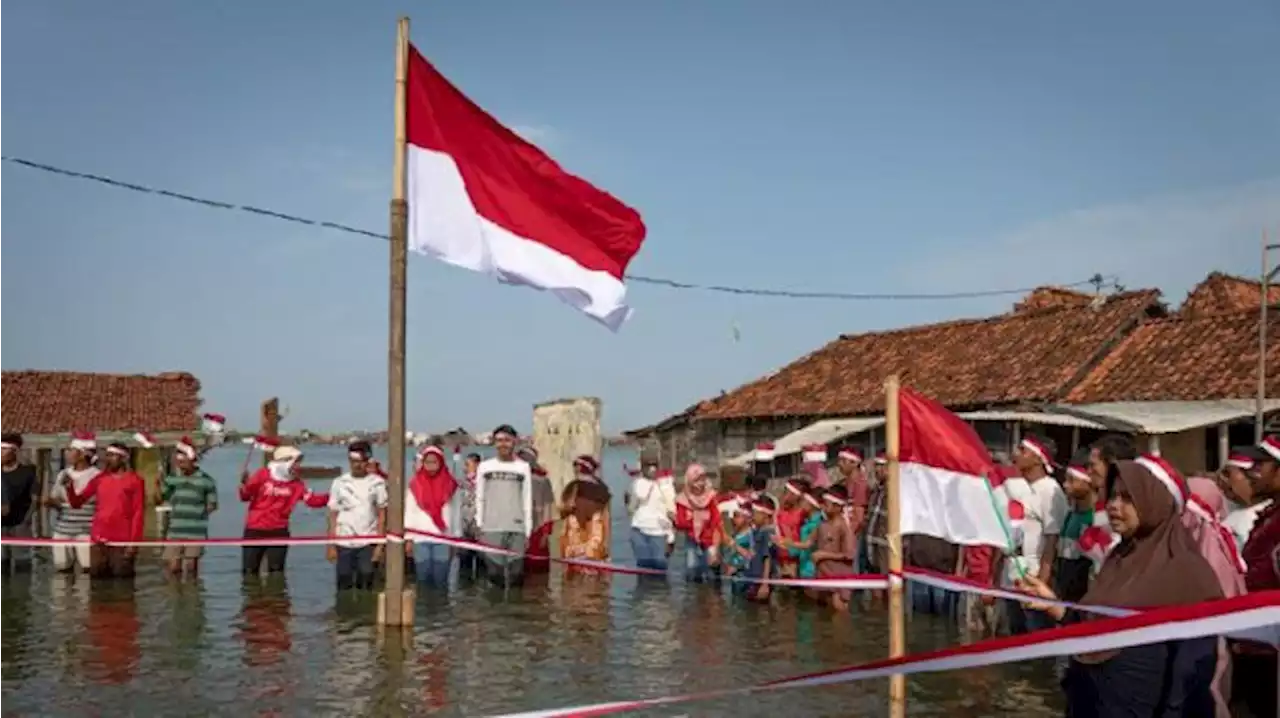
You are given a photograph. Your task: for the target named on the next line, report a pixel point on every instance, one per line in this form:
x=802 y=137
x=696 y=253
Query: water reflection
x=112 y=626
x=263 y=625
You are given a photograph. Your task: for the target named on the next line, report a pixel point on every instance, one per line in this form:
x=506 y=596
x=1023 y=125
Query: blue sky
x=854 y=146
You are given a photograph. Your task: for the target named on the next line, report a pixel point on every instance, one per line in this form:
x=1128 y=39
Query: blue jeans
x=432 y=564
x=697 y=566
x=931 y=599
x=355 y=567
x=650 y=551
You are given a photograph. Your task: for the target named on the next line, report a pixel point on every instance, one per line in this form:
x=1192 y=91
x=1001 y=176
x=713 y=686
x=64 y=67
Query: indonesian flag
x=942 y=471
x=483 y=199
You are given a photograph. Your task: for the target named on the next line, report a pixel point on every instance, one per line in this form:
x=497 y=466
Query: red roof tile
x=1186 y=359
x=1032 y=355
x=1220 y=293
x=1051 y=297
x=52 y=402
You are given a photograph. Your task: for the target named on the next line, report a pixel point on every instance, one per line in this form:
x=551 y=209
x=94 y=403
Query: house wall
x=564 y=430
x=1185 y=450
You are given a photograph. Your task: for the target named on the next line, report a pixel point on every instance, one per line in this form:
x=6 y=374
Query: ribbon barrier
x=1252 y=614
x=853 y=582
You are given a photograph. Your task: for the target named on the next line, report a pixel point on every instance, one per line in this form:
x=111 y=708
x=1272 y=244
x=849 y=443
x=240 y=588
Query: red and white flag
x=943 y=465
x=482 y=198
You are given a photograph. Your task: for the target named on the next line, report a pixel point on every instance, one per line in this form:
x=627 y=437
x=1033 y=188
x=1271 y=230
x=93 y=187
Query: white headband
x=1039 y=451
x=834 y=499
x=358 y=455
x=762 y=509
x=7 y=445
x=813 y=500
x=118 y=451
x=1270 y=448
x=1163 y=476
x=1076 y=473
x=1245 y=464
x=849 y=454
x=792 y=488
x=186 y=450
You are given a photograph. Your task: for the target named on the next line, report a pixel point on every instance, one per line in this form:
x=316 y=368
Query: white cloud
x=536 y=134
x=1169 y=241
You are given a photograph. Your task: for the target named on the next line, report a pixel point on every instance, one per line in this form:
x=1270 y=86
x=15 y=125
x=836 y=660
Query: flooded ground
x=293 y=647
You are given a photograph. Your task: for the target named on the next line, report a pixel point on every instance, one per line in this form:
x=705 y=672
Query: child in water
x=737 y=551
x=764 y=550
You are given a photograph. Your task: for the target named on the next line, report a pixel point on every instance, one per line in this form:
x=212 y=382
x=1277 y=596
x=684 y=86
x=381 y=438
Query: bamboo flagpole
x=897 y=624
x=395 y=604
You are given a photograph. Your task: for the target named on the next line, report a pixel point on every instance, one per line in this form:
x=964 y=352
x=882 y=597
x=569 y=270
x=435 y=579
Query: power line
x=658 y=281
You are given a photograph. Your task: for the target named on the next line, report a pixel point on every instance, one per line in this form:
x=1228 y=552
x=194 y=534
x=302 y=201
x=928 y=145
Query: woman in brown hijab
x=1157 y=563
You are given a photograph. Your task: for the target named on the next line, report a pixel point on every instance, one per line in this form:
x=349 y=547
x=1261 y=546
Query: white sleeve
x=333 y=494
x=528 y=501
x=1055 y=513
x=381 y=496
x=480 y=478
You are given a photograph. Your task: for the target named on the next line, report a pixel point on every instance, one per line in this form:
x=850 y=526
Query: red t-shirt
x=122 y=499
x=271 y=502
x=789 y=521
x=1261 y=552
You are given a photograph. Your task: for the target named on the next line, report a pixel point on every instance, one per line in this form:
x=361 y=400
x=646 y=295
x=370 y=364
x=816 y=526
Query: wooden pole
x=897 y=624
x=1260 y=410
x=268 y=423
x=396 y=605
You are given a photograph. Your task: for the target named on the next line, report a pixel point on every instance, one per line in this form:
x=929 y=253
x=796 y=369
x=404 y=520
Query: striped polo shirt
x=190 y=499
x=69 y=521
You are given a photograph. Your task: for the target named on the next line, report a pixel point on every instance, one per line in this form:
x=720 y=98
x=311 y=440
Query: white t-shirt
x=653 y=503
x=1241 y=521
x=1045 y=508
x=357 y=502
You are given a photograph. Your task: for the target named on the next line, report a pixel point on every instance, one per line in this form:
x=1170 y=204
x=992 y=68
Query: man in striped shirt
x=191 y=495
x=68 y=522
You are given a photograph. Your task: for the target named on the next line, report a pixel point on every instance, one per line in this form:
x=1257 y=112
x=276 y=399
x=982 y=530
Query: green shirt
x=190 y=499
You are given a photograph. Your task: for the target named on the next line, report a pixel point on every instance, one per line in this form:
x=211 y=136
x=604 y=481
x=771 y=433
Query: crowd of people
x=1109 y=528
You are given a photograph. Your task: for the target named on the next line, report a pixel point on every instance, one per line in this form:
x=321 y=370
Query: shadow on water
x=291 y=646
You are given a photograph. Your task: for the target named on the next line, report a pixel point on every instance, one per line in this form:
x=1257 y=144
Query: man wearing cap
x=191 y=496
x=1254 y=670
x=504 y=508
x=20 y=492
x=1044 y=507
x=68 y=523
x=122 y=499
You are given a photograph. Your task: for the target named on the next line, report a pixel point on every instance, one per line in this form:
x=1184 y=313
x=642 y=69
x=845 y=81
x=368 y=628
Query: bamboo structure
x=395 y=604
x=897 y=622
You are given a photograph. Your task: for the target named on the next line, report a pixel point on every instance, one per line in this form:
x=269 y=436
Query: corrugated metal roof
x=829 y=430
x=820 y=432
x=1167 y=417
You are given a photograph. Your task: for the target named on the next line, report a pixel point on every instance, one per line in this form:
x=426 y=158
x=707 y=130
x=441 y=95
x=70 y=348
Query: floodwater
x=293 y=647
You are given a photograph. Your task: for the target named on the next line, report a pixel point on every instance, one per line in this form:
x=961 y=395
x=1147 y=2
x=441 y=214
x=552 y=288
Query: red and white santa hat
x=881 y=458
x=849 y=453
x=147 y=441
x=1167 y=475
x=1076 y=471
x=84 y=441
x=815 y=453
x=1271 y=445
x=186 y=447
x=764 y=452
x=265 y=443
x=1041 y=451
x=586 y=464
x=213 y=423
x=1240 y=461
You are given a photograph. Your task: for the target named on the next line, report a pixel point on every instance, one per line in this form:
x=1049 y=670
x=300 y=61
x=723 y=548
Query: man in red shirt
x=121 y=497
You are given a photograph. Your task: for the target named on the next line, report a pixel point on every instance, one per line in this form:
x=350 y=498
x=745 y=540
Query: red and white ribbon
x=1244 y=614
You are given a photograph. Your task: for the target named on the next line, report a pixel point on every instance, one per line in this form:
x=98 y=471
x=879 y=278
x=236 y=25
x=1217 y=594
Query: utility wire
x=1096 y=280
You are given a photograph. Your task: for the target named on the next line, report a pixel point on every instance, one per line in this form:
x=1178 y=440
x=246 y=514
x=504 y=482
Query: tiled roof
x=1220 y=293
x=1186 y=359
x=52 y=402
x=1032 y=355
x=1050 y=297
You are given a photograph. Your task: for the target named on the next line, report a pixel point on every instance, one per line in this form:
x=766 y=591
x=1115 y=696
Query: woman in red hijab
x=433 y=504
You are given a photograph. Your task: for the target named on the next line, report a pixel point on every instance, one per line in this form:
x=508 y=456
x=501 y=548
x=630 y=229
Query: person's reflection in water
x=433 y=664
x=15 y=622
x=187 y=630
x=264 y=622
x=585 y=597
x=113 y=626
